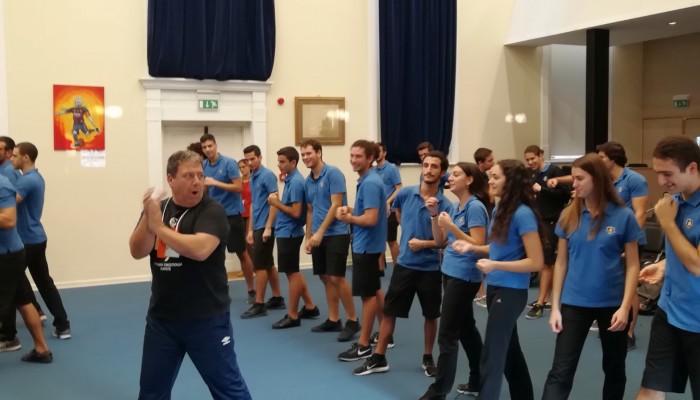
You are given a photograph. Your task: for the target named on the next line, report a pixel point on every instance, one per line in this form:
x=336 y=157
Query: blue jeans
x=209 y=344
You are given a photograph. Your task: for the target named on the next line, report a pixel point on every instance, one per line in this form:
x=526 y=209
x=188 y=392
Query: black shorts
x=672 y=358
x=405 y=284
x=551 y=241
x=331 y=256
x=14 y=286
x=288 y=254
x=392 y=227
x=236 y=234
x=262 y=251
x=365 y=274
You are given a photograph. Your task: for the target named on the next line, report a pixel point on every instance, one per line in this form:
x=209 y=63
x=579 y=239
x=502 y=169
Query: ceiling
x=631 y=31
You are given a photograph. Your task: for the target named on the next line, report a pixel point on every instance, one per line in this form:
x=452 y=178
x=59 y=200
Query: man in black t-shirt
x=185 y=237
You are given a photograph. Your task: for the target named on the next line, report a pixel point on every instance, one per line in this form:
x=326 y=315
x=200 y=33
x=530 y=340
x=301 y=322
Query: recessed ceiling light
x=672 y=23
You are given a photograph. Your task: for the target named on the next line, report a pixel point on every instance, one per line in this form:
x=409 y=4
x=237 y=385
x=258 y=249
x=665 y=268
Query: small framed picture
x=320 y=118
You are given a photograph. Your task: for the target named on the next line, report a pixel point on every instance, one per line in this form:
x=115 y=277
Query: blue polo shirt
x=10 y=242
x=318 y=194
x=628 y=186
x=592 y=262
x=458 y=265
x=31 y=187
x=286 y=226
x=415 y=223
x=680 y=295
x=390 y=176
x=224 y=170
x=370 y=194
x=9 y=172
x=262 y=183
x=522 y=222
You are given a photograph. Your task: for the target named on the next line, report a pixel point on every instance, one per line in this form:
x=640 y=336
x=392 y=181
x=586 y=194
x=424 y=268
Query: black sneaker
x=530 y=305
x=349 y=332
x=328 y=326
x=429 y=365
x=286 y=322
x=355 y=352
x=431 y=395
x=257 y=310
x=547 y=305
x=275 y=303
x=62 y=334
x=10 y=345
x=251 y=297
x=468 y=388
x=36 y=357
x=375 y=363
x=631 y=343
x=305 y=313
x=535 y=312
x=374 y=339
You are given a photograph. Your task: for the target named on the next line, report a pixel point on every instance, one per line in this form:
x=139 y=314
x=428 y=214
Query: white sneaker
x=480 y=301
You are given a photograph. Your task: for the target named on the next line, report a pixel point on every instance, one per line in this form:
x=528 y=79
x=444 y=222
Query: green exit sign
x=680 y=103
x=208 y=104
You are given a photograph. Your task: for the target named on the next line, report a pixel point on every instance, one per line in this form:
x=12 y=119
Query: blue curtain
x=211 y=39
x=417 y=46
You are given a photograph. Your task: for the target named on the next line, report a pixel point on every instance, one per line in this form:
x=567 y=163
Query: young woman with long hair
x=594 y=231
x=514 y=251
x=467 y=220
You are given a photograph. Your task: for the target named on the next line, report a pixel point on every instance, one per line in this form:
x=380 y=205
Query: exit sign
x=680 y=103
x=208 y=104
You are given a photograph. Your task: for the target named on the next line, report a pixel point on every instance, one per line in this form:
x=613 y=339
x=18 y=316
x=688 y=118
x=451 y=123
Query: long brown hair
x=603 y=192
x=517 y=190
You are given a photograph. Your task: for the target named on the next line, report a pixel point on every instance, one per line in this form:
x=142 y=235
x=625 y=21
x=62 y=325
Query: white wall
x=567 y=100
x=533 y=19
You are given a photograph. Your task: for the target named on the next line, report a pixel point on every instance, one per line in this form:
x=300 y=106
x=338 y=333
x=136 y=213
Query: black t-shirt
x=184 y=288
x=551 y=200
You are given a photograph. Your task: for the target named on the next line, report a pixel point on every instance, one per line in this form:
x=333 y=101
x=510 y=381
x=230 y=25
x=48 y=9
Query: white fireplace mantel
x=177 y=100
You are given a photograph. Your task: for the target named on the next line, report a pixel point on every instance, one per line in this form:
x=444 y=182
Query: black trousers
x=501 y=354
x=457 y=325
x=39 y=269
x=575 y=323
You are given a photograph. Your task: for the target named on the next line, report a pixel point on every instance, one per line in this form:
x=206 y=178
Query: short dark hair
x=614 y=151
x=313 y=143
x=443 y=159
x=206 y=137
x=534 y=149
x=26 y=148
x=197 y=148
x=9 y=143
x=382 y=146
x=290 y=152
x=481 y=154
x=178 y=157
x=369 y=147
x=682 y=150
x=252 y=149
x=425 y=145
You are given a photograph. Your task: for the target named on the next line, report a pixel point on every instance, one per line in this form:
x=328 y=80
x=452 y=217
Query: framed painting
x=320 y=118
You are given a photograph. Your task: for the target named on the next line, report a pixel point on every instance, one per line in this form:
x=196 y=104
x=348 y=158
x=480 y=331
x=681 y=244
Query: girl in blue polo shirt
x=593 y=233
x=514 y=251
x=466 y=220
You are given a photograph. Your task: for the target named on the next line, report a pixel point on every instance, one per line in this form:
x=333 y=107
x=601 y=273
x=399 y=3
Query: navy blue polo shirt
x=370 y=194
x=628 y=186
x=287 y=226
x=415 y=223
x=318 y=194
x=522 y=222
x=680 y=295
x=262 y=183
x=10 y=242
x=30 y=186
x=224 y=170
x=596 y=261
x=463 y=265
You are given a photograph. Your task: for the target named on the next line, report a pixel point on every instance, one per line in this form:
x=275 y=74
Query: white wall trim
x=176 y=99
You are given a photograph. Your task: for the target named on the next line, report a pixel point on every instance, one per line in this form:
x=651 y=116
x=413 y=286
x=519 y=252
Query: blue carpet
x=102 y=360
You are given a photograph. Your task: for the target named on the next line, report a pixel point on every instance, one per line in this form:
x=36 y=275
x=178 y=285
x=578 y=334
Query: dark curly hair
x=517 y=190
x=479 y=185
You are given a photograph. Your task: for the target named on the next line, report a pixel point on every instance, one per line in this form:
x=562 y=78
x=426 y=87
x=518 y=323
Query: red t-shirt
x=247 y=199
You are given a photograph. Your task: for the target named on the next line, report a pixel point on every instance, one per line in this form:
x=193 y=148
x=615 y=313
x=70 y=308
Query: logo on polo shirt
x=688 y=223
x=461 y=220
x=610 y=230
x=619 y=190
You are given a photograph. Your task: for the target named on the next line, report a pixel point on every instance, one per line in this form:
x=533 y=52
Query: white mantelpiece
x=176 y=100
